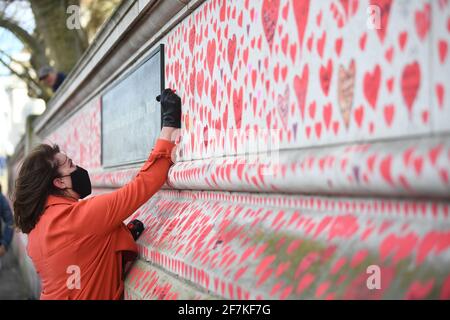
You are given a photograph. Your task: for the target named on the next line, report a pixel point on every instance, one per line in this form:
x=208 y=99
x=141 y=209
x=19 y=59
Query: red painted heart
x=192 y=40
x=402 y=38
x=231 y=51
x=301 y=12
x=327 y=114
x=423 y=21
x=359 y=116
x=283 y=106
x=411 y=79
x=372 y=85
x=389 y=114
x=237 y=106
x=211 y=56
x=385 y=11
x=443 y=48
x=214 y=93
x=440 y=91
x=326 y=74
x=301 y=89
x=269 y=13
x=321 y=44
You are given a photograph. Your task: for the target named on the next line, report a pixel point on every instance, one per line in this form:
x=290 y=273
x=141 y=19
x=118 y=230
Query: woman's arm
x=167 y=132
x=102 y=214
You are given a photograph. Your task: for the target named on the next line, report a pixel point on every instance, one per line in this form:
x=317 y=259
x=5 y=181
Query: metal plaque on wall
x=131 y=117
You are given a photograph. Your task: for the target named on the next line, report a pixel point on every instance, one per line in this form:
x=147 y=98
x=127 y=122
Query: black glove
x=136 y=227
x=170 y=108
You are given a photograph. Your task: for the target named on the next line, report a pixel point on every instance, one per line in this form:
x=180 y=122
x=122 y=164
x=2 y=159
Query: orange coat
x=90 y=235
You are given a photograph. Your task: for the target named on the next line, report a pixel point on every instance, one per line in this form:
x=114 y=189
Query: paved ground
x=12 y=286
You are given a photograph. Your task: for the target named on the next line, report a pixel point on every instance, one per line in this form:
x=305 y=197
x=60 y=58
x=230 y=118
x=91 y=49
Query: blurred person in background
x=6 y=225
x=51 y=77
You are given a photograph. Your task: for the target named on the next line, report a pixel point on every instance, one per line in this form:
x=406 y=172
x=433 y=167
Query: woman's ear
x=59 y=183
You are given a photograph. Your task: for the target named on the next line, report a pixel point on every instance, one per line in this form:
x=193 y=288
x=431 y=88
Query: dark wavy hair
x=33 y=185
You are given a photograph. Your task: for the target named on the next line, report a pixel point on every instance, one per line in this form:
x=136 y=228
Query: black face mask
x=81 y=183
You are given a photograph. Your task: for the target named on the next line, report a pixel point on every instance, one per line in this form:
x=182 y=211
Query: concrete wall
x=349 y=134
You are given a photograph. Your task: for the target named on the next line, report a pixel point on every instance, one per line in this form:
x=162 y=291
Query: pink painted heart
x=200 y=83
x=346 y=85
x=301 y=89
x=283 y=107
x=211 y=56
x=176 y=71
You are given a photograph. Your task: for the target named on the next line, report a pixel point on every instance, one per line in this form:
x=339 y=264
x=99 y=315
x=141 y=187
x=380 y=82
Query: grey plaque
x=131 y=117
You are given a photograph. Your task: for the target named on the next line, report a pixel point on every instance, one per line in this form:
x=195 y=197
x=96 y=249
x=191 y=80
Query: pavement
x=12 y=285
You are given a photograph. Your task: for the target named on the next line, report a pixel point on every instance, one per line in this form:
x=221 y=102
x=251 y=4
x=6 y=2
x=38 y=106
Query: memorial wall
x=315 y=150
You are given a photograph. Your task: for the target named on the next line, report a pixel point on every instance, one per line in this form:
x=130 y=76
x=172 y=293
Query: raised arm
x=101 y=214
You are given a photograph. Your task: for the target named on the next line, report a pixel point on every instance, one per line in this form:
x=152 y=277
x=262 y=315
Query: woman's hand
x=175 y=138
x=170 y=108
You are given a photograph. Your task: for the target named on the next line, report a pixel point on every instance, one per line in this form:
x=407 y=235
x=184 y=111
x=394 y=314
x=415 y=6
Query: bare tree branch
x=38 y=58
x=35 y=89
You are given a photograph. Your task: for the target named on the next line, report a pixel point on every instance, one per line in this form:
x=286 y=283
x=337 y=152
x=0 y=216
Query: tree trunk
x=65 y=46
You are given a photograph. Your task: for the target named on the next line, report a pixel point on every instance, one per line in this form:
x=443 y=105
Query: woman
x=79 y=248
